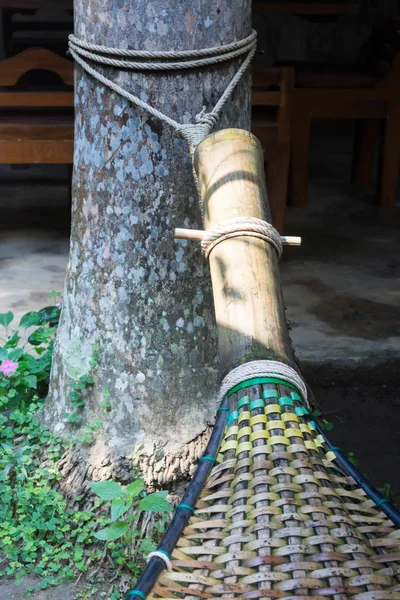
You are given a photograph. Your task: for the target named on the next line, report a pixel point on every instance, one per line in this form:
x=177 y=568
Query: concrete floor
x=33 y=236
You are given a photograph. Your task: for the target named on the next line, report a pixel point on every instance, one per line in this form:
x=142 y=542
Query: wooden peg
x=198 y=234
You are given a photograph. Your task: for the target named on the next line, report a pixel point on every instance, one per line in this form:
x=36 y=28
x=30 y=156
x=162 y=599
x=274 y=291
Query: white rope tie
x=262 y=368
x=243 y=226
x=145 y=60
x=163 y=557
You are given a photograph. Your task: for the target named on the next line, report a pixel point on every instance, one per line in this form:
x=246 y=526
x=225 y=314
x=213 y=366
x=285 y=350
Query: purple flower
x=8 y=367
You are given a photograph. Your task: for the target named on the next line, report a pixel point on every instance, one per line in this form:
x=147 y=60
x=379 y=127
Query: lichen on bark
x=141 y=296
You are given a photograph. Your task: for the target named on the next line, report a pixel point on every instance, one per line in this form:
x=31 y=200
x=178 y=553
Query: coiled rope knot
x=172 y=60
x=263 y=368
x=238 y=227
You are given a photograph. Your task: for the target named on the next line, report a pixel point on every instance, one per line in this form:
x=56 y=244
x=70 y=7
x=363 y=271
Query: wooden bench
x=36 y=125
x=368 y=100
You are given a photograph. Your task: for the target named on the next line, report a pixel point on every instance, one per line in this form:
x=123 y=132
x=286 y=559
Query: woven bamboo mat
x=278 y=519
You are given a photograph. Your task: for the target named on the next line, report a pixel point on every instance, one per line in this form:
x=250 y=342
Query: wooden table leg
x=299 y=158
x=389 y=171
x=365 y=145
x=277 y=185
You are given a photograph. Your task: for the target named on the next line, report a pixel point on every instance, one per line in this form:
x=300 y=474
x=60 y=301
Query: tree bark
x=142 y=296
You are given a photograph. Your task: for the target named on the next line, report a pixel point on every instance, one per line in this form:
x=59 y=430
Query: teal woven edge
x=383 y=501
x=260 y=380
x=135 y=593
x=232 y=416
x=164 y=552
x=270 y=394
x=285 y=401
x=244 y=400
x=188 y=507
x=259 y=403
x=211 y=459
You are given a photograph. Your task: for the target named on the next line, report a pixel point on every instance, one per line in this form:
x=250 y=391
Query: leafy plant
x=39 y=534
x=354 y=461
x=129 y=502
x=327 y=425
x=385 y=490
x=25 y=356
x=76 y=395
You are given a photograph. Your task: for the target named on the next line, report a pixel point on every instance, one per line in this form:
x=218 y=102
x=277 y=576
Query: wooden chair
x=36 y=125
x=365 y=98
x=271 y=116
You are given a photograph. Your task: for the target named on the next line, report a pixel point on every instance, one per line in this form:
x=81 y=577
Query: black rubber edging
x=184 y=510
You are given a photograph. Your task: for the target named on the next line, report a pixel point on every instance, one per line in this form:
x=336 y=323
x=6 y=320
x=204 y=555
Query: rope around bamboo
x=194 y=133
x=238 y=227
x=262 y=368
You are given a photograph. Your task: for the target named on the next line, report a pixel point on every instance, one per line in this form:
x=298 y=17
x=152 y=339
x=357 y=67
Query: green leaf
x=115 y=531
x=155 y=503
x=30 y=319
x=118 y=508
x=12 y=340
x=146 y=546
x=50 y=315
x=6 y=318
x=30 y=381
x=135 y=487
x=40 y=336
x=107 y=490
x=15 y=354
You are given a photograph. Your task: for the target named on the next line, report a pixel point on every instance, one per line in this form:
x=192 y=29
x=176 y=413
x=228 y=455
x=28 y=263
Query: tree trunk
x=141 y=296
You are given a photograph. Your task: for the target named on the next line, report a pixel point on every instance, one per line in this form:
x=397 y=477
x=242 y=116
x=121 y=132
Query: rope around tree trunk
x=193 y=133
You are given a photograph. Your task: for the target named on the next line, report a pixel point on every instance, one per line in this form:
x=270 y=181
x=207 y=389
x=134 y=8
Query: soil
x=362 y=401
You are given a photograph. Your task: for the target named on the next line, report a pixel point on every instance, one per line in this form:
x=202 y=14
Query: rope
x=262 y=368
x=194 y=133
x=163 y=556
x=243 y=226
x=163 y=55
x=189 y=59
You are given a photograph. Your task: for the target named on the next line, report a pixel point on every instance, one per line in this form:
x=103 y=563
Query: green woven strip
x=295 y=396
x=188 y=507
x=223 y=409
x=259 y=381
x=285 y=401
x=301 y=410
x=270 y=394
x=259 y=403
x=243 y=401
x=209 y=458
x=233 y=416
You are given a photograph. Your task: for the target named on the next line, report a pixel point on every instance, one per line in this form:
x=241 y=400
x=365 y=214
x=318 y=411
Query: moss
x=258 y=352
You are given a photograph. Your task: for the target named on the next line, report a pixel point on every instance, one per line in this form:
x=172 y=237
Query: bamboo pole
x=245 y=277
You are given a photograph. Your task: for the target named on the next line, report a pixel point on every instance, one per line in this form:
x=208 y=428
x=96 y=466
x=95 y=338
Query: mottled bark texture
x=143 y=297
